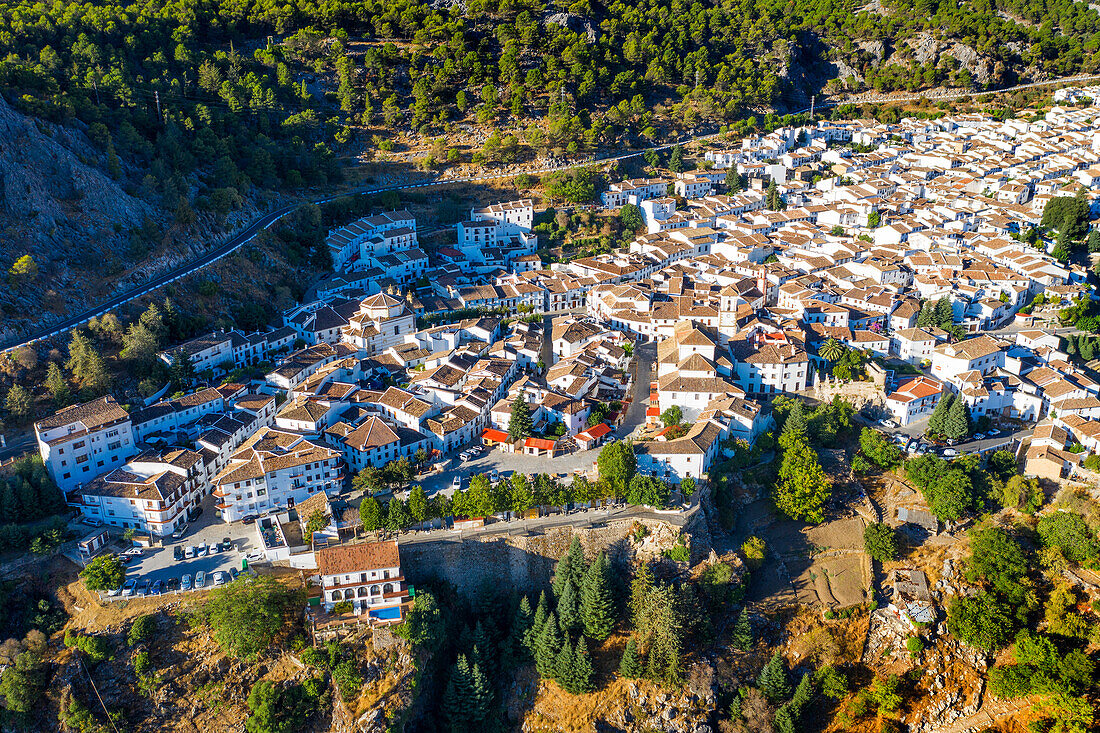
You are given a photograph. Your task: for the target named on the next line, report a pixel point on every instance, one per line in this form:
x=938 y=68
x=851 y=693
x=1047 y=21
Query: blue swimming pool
x=386 y=614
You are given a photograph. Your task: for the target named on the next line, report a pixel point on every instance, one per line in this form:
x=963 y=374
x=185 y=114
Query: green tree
x=316 y=522
x=945 y=313
x=467 y=699
x=397 y=515
x=880 y=542
x=520 y=496
x=1021 y=493
x=569 y=609
x=672 y=416
x=597 y=602
x=773 y=681
x=803 y=488
x=57 y=385
x=418 y=504
x=878 y=449
x=548 y=646
x=104 y=572
x=281 y=708
x=18 y=402
x=368 y=480
x=617 y=464
x=939 y=413
x=245 y=617
x=370 y=512
x=1070 y=533
x=519 y=426
x=982 y=621
x=630 y=666
x=142 y=630
x=23 y=684
x=631 y=217
x=742 y=631
x=955 y=425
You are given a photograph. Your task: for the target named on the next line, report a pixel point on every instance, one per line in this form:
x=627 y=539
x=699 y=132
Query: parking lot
x=159 y=563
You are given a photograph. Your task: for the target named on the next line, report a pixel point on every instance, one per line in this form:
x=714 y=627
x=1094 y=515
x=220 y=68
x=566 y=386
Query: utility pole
x=813 y=99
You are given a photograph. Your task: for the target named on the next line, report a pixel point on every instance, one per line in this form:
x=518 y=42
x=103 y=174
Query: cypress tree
x=597 y=605
x=939 y=413
x=1088 y=348
x=547 y=648
x=927 y=315
x=742 y=631
x=1071 y=345
x=568 y=609
x=773 y=680
x=563 y=665
x=945 y=313
x=955 y=424
x=630 y=666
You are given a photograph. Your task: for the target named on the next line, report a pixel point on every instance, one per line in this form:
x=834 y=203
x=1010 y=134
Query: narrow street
x=644 y=354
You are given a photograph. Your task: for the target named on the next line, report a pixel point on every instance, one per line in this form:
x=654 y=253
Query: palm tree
x=831 y=350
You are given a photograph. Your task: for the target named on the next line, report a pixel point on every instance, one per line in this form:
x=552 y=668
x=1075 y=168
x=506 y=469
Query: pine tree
x=562 y=576
x=481 y=696
x=563 y=665
x=773 y=680
x=547 y=647
x=955 y=424
x=796 y=420
x=597 y=604
x=568 y=609
x=530 y=639
x=581 y=673
x=803 y=693
x=742 y=631
x=939 y=413
x=630 y=666
x=578 y=566
x=9 y=509
x=520 y=630
x=458 y=696
x=784 y=720
x=59 y=388
x=485 y=644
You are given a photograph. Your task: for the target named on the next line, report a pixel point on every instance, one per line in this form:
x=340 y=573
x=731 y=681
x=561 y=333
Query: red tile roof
x=540 y=443
x=497 y=436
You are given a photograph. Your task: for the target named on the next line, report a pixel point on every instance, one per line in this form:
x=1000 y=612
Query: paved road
x=644 y=354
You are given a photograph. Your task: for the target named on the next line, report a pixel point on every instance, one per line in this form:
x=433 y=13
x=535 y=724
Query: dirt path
x=990 y=714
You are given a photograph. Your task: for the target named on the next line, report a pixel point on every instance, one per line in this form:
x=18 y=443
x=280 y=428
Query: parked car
x=201 y=550
x=114 y=591
x=249 y=518
x=889 y=424
x=228 y=543
x=200 y=579
x=233 y=574
x=143 y=588
x=464 y=456
x=994 y=432
x=189 y=552
x=179 y=533
x=177 y=552
x=172 y=584
x=157 y=588
x=255 y=556
x=950 y=452
x=979 y=436
x=185 y=582
x=456 y=483
x=129 y=587
x=215 y=548
x=92 y=521
x=220 y=578
x=194 y=513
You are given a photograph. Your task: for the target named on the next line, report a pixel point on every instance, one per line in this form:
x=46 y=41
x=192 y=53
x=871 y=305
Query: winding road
x=264 y=222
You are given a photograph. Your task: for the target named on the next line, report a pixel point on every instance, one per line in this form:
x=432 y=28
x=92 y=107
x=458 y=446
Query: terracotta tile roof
x=344 y=559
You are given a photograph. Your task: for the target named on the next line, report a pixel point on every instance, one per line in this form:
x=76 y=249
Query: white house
x=80 y=442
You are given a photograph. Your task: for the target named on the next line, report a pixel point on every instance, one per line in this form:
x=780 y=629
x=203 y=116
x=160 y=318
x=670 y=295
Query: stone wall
x=521 y=562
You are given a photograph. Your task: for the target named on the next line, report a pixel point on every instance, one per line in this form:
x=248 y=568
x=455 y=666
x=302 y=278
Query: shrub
x=142 y=664
x=342 y=607
x=142 y=630
x=753 y=550
x=880 y=542
x=915 y=646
